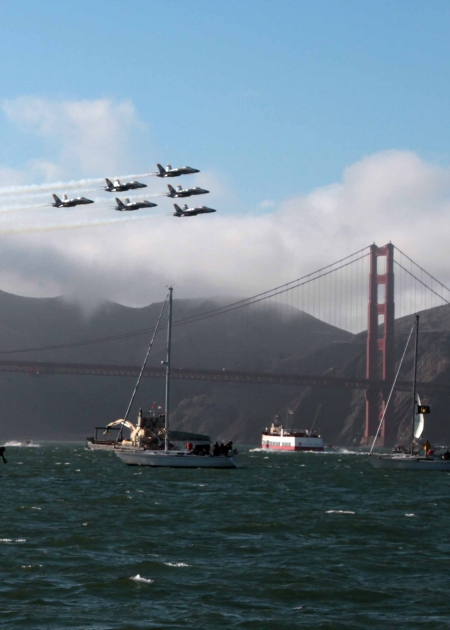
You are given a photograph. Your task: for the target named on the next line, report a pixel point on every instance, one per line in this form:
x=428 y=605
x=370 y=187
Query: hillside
x=262 y=338
x=56 y=407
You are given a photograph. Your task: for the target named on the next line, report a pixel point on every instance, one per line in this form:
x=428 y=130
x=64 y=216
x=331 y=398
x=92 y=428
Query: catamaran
x=168 y=454
x=410 y=460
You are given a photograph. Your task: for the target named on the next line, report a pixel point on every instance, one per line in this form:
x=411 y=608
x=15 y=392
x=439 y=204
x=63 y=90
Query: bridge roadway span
x=38 y=368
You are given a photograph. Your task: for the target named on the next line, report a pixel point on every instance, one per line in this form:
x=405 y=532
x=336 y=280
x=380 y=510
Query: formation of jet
x=127 y=205
x=175 y=172
x=69 y=203
x=190 y=212
x=186 y=192
x=132 y=205
x=118 y=187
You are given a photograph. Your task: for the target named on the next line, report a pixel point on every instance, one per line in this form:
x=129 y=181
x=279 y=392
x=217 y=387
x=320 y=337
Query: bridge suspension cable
x=416 y=289
x=422 y=282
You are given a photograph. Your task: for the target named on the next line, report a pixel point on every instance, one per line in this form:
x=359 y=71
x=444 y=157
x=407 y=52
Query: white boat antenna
x=392 y=390
x=119 y=435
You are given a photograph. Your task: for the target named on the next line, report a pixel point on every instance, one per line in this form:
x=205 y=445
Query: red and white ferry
x=279 y=439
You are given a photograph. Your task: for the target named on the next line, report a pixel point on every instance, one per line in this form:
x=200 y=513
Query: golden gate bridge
x=364 y=291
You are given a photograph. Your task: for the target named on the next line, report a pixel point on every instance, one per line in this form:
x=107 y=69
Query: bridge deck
x=35 y=368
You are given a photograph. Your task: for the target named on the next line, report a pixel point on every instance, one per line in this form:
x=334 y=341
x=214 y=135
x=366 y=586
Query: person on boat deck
x=427 y=447
x=2 y=454
x=215 y=450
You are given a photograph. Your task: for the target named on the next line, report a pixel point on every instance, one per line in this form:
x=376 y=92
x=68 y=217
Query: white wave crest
x=138 y=578
x=22 y=444
x=176 y=564
x=339 y=512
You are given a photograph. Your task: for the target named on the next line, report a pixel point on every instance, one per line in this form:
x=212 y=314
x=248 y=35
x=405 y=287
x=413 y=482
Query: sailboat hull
x=408 y=462
x=174 y=459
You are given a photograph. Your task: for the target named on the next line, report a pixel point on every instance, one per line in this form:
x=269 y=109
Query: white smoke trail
x=21 y=208
x=4 y=199
x=100 y=204
x=137 y=175
x=100 y=201
x=53 y=227
x=35 y=188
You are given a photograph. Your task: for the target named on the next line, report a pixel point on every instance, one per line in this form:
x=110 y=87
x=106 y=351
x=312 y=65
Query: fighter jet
x=69 y=203
x=190 y=212
x=132 y=205
x=118 y=187
x=175 y=172
x=187 y=192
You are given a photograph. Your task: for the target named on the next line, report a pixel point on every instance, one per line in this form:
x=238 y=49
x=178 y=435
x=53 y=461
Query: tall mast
x=169 y=341
x=416 y=347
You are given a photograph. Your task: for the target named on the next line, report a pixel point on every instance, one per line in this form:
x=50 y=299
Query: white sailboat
x=171 y=457
x=148 y=425
x=411 y=460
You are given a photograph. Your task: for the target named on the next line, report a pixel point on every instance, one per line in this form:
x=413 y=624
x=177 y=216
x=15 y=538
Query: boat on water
x=148 y=432
x=410 y=458
x=164 y=451
x=410 y=462
x=277 y=438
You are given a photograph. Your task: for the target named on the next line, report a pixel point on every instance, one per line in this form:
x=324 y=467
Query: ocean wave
x=138 y=578
x=339 y=512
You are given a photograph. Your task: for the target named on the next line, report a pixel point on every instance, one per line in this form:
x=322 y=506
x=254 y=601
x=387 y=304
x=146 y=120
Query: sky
x=319 y=128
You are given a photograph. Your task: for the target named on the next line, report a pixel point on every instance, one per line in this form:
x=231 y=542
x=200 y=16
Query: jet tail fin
x=56 y=198
x=162 y=171
x=120 y=205
x=108 y=182
x=171 y=189
x=178 y=211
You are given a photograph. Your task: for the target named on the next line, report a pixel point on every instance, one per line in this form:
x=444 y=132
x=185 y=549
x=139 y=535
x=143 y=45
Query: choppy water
x=289 y=540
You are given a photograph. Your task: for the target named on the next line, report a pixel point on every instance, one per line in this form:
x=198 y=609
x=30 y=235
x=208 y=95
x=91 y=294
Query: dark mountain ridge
x=254 y=339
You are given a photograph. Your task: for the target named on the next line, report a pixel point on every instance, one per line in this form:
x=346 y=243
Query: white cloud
x=267 y=204
x=11 y=177
x=389 y=196
x=91 y=136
